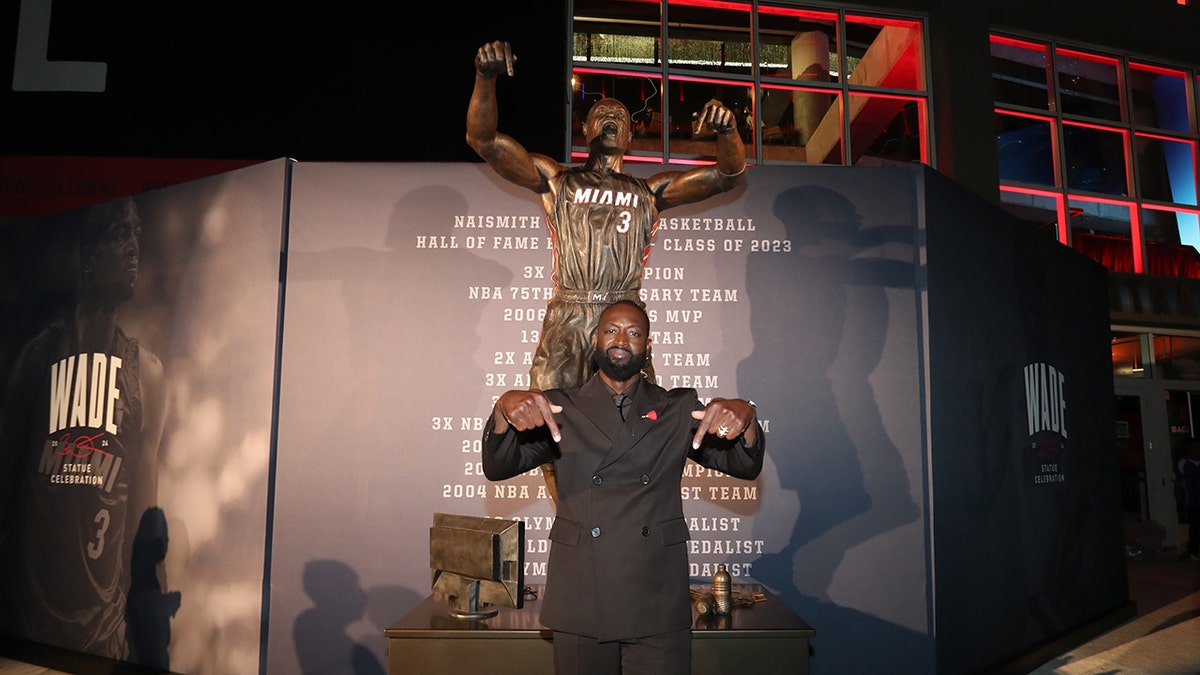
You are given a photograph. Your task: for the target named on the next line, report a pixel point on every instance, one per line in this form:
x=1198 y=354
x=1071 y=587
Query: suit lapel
x=637 y=422
x=596 y=403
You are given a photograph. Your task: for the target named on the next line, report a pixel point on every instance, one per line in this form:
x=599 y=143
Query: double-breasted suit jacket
x=618 y=555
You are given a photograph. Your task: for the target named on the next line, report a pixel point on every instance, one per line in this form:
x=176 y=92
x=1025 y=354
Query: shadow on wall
x=150 y=607
x=323 y=643
x=828 y=439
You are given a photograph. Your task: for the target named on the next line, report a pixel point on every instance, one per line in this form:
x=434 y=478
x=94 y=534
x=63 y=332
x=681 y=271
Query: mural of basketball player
x=80 y=427
x=602 y=220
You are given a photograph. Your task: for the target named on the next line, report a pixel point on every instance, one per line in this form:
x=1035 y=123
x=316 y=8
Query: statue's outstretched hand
x=718 y=118
x=495 y=58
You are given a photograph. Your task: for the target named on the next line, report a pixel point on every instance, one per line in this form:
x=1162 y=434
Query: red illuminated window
x=1101 y=150
x=807 y=85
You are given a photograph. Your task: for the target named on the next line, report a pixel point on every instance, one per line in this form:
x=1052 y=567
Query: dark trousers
x=668 y=654
x=1193 y=516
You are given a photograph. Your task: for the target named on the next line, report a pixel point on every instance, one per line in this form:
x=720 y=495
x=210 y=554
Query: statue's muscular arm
x=502 y=152
x=674 y=188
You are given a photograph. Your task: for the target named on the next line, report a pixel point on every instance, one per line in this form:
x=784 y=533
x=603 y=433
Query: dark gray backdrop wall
x=414 y=297
x=837 y=347
x=1025 y=484
x=206 y=302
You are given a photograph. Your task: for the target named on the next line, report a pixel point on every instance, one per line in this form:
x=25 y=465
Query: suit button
x=595 y=532
x=645 y=531
x=596 y=480
x=645 y=479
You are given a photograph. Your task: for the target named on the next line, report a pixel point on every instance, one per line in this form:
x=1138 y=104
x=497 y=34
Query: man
x=617 y=579
x=82 y=419
x=602 y=220
x=1187 y=470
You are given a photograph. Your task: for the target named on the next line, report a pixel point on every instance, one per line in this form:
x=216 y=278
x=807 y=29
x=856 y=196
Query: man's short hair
x=100 y=217
x=632 y=303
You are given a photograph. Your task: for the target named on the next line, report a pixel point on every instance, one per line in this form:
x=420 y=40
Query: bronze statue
x=602 y=220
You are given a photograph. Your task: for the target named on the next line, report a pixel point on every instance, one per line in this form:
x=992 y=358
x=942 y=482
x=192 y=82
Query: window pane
x=610 y=32
x=884 y=53
x=1177 y=357
x=1103 y=232
x=886 y=129
x=798 y=44
x=1040 y=211
x=1087 y=85
x=1095 y=159
x=639 y=93
x=1128 y=358
x=1174 y=226
x=1025 y=149
x=1166 y=169
x=1159 y=98
x=1171 y=240
x=703 y=36
x=687 y=99
x=801 y=125
x=1019 y=73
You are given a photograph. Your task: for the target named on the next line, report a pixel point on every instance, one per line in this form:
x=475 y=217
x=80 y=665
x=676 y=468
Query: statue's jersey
x=602 y=225
x=73 y=494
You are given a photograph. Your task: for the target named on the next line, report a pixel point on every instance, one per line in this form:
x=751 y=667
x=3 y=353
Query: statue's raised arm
x=502 y=152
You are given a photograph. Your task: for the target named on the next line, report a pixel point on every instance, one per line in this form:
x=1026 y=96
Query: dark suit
x=618 y=555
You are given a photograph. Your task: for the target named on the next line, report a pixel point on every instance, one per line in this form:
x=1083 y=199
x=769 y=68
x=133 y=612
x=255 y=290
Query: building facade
x=1082 y=126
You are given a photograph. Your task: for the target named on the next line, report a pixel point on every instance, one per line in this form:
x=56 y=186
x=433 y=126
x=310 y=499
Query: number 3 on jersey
x=95 y=548
x=626 y=220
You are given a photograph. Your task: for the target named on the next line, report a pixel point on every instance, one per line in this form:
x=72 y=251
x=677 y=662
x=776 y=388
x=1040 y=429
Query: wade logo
x=84 y=393
x=85 y=417
x=1046 y=413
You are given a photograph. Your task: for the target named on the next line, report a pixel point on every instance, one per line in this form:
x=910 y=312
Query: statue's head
x=608 y=126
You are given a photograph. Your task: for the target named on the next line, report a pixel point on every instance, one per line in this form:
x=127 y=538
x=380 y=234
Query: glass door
x=1181 y=407
x=1151 y=420
x=1131 y=458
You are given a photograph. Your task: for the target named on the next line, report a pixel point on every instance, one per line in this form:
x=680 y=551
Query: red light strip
x=710 y=80
x=711 y=4
x=1111 y=201
x=1027 y=115
x=624 y=73
x=1139 y=251
x=1085 y=56
x=881 y=21
x=805 y=90
x=923 y=125
x=1162 y=137
x=1157 y=70
x=643 y=159
x=900 y=97
x=658 y=78
x=632 y=159
x=1013 y=42
x=798 y=13
x=1193 y=210
x=1097 y=127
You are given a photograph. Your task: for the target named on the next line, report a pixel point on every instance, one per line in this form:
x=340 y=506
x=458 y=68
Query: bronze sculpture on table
x=602 y=220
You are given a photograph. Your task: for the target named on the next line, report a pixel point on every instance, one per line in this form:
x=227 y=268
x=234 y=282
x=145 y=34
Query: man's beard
x=619 y=371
